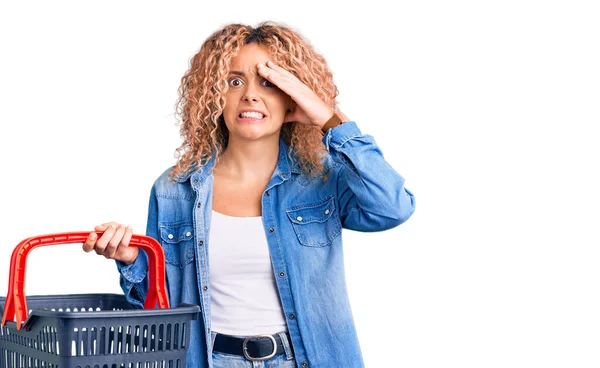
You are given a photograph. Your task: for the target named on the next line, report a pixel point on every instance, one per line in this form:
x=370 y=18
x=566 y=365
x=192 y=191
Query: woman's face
x=248 y=90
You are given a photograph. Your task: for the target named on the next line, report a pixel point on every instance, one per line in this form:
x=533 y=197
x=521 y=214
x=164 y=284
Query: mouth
x=251 y=117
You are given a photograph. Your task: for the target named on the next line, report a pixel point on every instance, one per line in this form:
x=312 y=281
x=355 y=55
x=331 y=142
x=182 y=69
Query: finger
x=105 y=225
x=127 y=236
x=287 y=82
x=266 y=72
x=279 y=69
x=88 y=245
x=271 y=66
x=274 y=75
x=284 y=73
x=114 y=242
x=123 y=248
x=289 y=86
x=103 y=241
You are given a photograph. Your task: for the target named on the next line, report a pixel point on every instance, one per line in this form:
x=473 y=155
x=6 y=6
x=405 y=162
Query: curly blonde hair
x=204 y=86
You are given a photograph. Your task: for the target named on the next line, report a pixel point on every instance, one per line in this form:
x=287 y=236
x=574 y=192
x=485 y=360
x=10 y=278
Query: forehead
x=249 y=55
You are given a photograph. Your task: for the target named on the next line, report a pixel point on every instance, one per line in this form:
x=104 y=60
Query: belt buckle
x=259 y=358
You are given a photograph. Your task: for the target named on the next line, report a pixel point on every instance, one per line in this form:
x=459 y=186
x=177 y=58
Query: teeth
x=255 y=115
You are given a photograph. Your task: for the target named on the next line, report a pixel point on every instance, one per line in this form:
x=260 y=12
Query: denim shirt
x=303 y=220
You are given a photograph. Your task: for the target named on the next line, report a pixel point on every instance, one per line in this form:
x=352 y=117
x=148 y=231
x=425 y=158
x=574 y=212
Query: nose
x=250 y=93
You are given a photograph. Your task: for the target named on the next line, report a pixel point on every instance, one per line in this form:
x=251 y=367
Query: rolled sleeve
x=133 y=279
x=136 y=271
x=371 y=194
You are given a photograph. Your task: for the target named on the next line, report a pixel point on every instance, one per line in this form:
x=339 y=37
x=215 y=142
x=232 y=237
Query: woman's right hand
x=113 y=244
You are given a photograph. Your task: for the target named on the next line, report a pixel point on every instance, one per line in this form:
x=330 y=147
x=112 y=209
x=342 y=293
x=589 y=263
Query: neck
x=249 y=161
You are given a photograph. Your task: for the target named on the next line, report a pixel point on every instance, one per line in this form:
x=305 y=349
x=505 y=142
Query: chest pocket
x=316 y=224
x=177 y=242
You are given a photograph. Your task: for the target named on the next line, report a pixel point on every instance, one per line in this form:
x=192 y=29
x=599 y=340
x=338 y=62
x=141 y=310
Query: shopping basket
x=92 y=330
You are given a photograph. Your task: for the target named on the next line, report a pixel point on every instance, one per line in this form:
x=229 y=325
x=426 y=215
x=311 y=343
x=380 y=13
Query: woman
x=270 y=174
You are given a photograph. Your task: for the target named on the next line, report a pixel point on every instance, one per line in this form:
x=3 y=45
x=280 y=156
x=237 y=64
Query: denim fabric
x=303 y=220
x=224 y=360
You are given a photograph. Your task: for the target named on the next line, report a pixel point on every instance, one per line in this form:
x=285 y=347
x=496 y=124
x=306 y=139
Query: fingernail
x=113 y=226
x=128 y=227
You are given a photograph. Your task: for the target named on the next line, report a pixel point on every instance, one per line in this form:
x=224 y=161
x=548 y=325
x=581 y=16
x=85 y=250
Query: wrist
x=127 y=262
x=334 y=121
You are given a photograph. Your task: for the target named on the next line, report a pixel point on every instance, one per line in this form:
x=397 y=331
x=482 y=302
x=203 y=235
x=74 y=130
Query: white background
x=486 y=108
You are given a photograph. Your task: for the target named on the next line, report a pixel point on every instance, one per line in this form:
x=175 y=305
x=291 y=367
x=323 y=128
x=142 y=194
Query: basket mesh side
x=121 y=342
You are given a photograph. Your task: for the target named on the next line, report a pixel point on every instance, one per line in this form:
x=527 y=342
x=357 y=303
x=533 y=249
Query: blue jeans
x=224 y=360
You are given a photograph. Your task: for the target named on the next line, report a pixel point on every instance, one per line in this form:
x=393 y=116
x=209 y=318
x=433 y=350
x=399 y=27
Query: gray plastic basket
x=96 y=331
x=91 y=330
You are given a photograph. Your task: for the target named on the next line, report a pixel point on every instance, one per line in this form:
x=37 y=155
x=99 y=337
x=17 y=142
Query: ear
x=291 y=104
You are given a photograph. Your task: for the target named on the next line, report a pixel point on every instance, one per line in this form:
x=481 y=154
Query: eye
x=236 y=82
x=232 y=81
x=269 y=84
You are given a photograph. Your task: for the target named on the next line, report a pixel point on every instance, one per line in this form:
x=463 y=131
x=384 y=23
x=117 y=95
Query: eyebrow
x=237 y=72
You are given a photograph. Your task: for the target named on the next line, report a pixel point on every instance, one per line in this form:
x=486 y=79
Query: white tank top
x=244 y=298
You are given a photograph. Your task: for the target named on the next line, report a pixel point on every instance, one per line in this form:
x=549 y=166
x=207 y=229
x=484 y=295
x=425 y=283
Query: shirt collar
x=285 y=165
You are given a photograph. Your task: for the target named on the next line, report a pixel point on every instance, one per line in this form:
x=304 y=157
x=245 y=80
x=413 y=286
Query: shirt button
x=271 y=230
x=170 y=236
x=188 y=233
x=205 y=288
x=304 y=364
x=200 y=243
x=281 y=274
x=199 y=204
x=292 y=316
x=299 y=218
x=327 y=212
x=267 y=193
x=195 y=181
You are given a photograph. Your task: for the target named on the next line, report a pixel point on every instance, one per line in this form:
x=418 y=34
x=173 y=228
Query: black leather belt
x=256 y=347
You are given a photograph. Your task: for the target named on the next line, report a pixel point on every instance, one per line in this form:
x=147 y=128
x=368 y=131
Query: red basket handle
x=9 y=305
x=15 y=302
